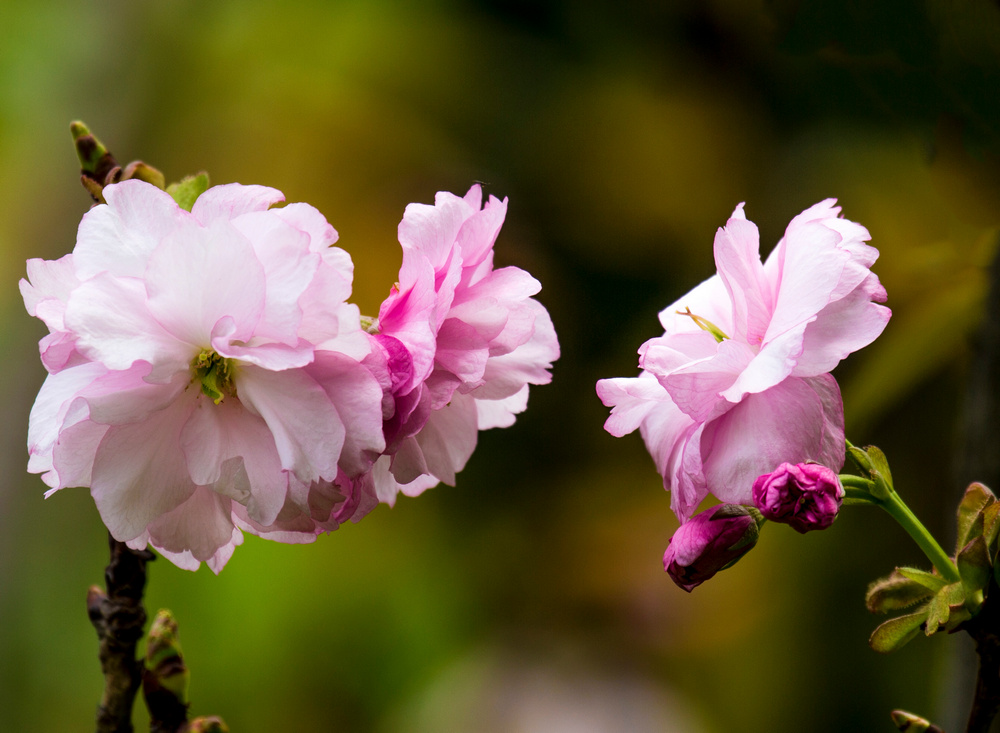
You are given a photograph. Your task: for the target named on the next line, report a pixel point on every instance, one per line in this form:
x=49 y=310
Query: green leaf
x=932 y=582
x=860 y=458
x=187 y=191
x=974 y=566
x=880 y=464
x=945 y=602
x=970 y=513
x=938 y=612
x=991 y=524
x=895 y=592
x=896 y=632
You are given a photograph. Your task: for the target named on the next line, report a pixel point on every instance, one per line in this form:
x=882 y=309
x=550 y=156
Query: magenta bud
x=806 y=496
x=709 y=542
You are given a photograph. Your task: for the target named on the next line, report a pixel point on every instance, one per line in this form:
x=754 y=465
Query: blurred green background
x=531 y=596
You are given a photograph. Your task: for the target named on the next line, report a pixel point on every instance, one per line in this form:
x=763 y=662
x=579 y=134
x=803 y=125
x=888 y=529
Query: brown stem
x=984 y=628
x=119 y=617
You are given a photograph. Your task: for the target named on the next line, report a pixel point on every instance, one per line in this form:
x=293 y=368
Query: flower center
x=369 y=324
x=704 y=324
x=215 y=374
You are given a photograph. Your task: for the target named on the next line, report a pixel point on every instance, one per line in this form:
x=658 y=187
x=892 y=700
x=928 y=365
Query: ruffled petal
x=140 y=472
x=307 y=430
x=792 y=422
x=119 y=237
x=232 y=200
x=200 y=275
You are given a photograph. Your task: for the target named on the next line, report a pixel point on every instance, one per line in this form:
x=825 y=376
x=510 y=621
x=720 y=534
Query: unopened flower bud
x=709 y=542
x=806 y=496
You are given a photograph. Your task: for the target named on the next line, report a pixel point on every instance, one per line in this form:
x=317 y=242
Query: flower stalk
x=881 y=492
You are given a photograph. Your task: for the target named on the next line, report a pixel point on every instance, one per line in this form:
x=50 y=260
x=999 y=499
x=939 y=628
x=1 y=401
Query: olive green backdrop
x=530 y=597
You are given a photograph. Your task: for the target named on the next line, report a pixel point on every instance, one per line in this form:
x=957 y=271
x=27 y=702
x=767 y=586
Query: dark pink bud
x=807 y=496
x=709 y=542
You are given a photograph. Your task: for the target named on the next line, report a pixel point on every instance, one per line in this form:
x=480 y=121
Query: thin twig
x=119 y=617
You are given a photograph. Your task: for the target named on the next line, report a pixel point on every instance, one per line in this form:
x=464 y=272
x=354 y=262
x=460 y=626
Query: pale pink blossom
x=461 y=342
x=205 y=371
x=739 y=382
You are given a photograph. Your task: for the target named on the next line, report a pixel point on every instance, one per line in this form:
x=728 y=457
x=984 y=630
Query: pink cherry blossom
x=205 y=371
x=461 y=342
x=739 y=382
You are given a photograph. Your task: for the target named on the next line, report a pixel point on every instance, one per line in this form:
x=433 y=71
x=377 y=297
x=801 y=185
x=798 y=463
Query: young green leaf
x=896 y=632
x=880 y=464
x=970 y=513
x=187 y=191
x=974 y=566
x=895 y=592
x=932 y=582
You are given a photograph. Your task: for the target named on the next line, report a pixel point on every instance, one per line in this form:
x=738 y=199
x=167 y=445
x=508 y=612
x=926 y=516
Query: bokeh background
x=529 y=597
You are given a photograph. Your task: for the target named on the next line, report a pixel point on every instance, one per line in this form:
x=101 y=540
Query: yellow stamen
x=704 y=324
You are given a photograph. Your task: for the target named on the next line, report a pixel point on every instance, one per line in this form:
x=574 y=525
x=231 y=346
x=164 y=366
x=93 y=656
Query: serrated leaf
x=932 y=582
x=948 y=600
x=991 y=524
x=880 y=464
x=896 y=632
x=895 y=592
x=938 y=612
x=187 y=191
x=970 y=513
x=974 y=566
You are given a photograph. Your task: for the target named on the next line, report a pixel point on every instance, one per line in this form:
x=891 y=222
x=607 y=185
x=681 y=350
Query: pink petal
x=289 y=266
x=443 y=446
x=118 y=237
x=697 y=388
x=356 y=395
x=199 y=275
x=811 y=265
x=232 y=200
x=307 y=430
x=501 y=413
x=794 y=422
x=308 y=219
x=709 y=300
x=529 y=363
x=114 y=326
x=140 y=472
x=842 y=328
x=202 y=525
x=49 y=280
x=737 y=257
x=215 y=436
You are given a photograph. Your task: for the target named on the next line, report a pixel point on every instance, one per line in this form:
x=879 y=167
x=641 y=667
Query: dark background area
x=531 y=596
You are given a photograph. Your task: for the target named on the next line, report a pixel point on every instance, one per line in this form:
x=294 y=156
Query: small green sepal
x=187 y=191
x=932 y=582
x=897 y=632
x=894 y=593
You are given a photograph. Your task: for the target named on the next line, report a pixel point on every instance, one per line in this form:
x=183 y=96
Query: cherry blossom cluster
x=207 y=375
x=739 y=384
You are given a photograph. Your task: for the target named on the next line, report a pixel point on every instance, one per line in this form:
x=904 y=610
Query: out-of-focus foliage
x=530 y=595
